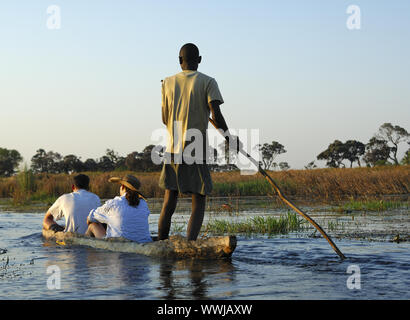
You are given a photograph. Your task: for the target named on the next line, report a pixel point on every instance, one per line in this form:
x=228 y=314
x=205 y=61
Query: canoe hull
x=174 y=247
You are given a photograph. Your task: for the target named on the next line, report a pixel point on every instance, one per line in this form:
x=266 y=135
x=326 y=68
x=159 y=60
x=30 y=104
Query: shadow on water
x=192 y=279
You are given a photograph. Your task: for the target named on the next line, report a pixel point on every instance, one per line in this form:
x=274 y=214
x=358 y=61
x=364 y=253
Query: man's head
x=189 y=57
x=81 y=181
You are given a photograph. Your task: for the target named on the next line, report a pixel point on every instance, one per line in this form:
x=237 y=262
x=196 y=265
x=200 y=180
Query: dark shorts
x=186 y=178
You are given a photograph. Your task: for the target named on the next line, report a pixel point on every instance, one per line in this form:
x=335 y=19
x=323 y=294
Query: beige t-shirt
x=185 y=98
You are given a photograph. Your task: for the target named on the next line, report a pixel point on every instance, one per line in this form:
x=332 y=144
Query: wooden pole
x=286 y=200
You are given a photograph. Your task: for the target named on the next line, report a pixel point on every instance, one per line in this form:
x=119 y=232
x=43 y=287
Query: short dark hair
x=82 y=181
x=189 y=52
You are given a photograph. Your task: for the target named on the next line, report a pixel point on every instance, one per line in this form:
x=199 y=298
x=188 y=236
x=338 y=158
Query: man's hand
x=56 y=227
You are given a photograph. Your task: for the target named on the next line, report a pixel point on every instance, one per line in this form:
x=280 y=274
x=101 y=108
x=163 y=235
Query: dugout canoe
x=174 y=247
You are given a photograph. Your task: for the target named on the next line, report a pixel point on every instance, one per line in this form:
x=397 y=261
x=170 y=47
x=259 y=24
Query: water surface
x=294 y=266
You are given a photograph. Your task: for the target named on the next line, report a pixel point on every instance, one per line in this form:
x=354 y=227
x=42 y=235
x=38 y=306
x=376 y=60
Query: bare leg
x=96 y=230
x=197 y=216
x=168 y=209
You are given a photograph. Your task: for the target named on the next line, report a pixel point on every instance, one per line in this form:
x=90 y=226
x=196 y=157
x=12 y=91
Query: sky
x=291 y=69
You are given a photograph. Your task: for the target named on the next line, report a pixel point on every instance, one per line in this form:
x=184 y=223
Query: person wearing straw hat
x=126 y=215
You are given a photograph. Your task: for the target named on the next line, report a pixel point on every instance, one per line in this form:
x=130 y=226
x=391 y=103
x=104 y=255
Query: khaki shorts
x=186 y=178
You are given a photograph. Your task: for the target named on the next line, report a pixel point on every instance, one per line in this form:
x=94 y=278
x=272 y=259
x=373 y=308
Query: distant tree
x=284 y=166
x=406 y=158
x=111 y=161
x=71 y=163
x=377 y=152
x=44 y=161
x=269 y=152
x=90 y=165
x=112 y=155
x=105 y=164
x=148 y=152
x=120 y=164
x=334 y=155
x=56 y=160
x=311 y=165
x=40 y=162
x=144 y=161
x=151 y=155
x=133 y=161
x=353 y=150
x=117 y=162
x=394 y=135
x=9 y=161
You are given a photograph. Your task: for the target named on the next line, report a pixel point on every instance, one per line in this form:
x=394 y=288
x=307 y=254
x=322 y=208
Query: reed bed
x=256 y=225
x=317 y=185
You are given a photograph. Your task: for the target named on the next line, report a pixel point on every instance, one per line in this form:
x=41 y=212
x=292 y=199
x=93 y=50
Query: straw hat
x=129 y=181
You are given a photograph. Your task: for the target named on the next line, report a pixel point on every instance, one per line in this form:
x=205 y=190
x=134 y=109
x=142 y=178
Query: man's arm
x=220 y=123
x=49 y=223
x=217 y=116
x=100 y=214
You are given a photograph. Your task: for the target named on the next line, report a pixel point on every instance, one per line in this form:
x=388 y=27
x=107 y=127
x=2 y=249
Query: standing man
x=188 y=98
x=74 y=207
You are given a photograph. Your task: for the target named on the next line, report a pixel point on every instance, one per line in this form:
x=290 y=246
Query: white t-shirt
x=124 y=220
x=75 y=207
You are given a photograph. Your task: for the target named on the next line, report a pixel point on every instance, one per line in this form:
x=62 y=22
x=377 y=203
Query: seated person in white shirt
x=74 y=207
x=126 y=215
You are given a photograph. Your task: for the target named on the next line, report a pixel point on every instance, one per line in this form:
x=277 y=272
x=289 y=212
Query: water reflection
x=99 y=273
x=192 y=279
x=111 y=274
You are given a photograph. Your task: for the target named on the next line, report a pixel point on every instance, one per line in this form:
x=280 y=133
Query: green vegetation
x=371 y=205
x=257 y=225
x=178 y=227
x=334 y=225
x=25 y=187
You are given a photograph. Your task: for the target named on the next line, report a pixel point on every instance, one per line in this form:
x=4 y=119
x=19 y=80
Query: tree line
x=382 y=149
x=53 y=162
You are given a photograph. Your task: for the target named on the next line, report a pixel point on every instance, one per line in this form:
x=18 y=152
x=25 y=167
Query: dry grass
x=317 y=184
x=320 y=183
